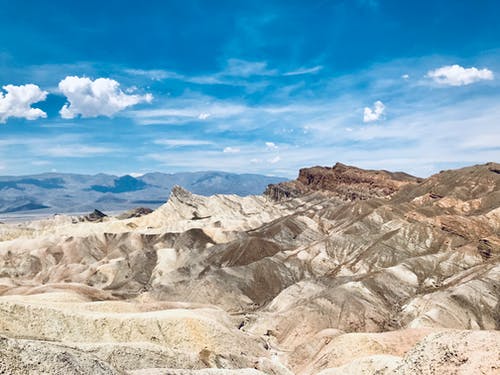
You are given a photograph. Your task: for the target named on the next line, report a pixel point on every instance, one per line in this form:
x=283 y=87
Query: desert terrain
x=341 y=271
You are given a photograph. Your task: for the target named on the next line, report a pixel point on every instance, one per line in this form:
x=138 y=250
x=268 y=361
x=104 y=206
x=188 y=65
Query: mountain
x=59 y=192
x=342 y=181
x=355 y=272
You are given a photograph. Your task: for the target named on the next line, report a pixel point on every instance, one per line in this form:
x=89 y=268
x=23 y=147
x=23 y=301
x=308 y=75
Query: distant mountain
x=64 y=192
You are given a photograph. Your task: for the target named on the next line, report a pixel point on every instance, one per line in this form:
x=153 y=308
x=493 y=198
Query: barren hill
x=343 y=271
x=346 y=182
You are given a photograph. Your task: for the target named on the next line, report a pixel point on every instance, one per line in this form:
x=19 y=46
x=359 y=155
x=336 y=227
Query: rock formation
x=343 y=271
x=94 y=216
x=342 y=181
x=135 y=212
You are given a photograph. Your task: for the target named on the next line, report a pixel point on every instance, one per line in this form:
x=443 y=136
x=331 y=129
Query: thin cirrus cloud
x=236 y=72
x=77 y=151
x=370 y=115
x=456 y=75
x=18 y=100
x=231 y=150
x=101 y=97
x=182 y=110
x=274 y=160
x=303 y=71
x=182 y=142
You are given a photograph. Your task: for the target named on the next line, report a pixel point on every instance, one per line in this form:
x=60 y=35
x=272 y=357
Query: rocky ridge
x=345 y=182
x=358 y=272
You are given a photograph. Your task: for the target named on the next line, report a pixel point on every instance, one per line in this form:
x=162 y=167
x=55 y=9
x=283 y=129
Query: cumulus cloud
x=374 y=114
x=101 y=97
x=18 y=100
x=456 y=75
x=231 y=150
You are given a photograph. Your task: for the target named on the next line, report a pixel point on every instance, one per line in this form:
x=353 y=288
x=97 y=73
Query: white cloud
x=274 y=160
x=405 y=76
x=302 y=71
x=101 y=97
x=18 y=100
x=456 y=75
x=271 y=146
x=153 y=74
x=231 y=150
x=130 y=90
x=40 y=162
x=374 y=114
x=235 y=72
x=438 y=134
x=243 y=68
x=187 y=109
x=182 y=142
x=77 y=151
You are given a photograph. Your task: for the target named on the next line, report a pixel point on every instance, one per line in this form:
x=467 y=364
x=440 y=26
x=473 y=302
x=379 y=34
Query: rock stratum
x=343 y=271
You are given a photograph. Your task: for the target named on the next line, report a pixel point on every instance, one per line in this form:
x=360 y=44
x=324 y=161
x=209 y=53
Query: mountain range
x=64 y=192
x=343 y=271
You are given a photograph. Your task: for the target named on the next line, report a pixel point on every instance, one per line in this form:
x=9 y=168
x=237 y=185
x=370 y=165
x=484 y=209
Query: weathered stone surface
x=465 y=352
x=20 y=357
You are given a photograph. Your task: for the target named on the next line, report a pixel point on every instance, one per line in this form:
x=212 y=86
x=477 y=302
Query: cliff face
x=342 y=181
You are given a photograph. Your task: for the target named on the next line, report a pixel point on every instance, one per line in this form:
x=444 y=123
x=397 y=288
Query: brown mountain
x=342 y=181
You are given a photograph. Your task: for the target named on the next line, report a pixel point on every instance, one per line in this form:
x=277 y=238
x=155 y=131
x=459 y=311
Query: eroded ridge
x=344 y=271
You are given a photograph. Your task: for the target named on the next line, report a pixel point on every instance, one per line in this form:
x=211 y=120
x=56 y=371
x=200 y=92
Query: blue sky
x=248 y=86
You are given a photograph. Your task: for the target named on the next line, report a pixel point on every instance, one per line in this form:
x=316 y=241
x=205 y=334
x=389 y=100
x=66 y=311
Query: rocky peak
x=94 y=216
x=343 y=181
x=135 y=212
x=180 y=193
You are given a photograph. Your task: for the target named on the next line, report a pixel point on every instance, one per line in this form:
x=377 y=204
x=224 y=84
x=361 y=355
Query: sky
x=130 y=87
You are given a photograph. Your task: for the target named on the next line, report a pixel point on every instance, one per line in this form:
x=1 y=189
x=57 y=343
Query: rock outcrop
x=94 y=216
x=342 y=181
x=135 y=212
